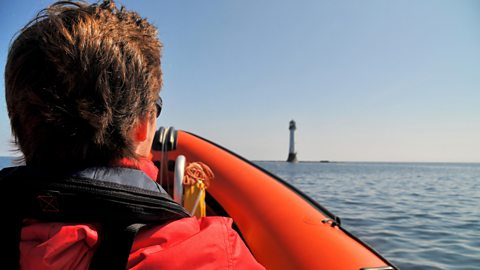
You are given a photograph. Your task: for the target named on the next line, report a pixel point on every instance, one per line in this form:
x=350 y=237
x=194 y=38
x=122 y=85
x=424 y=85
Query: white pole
x=178 y=179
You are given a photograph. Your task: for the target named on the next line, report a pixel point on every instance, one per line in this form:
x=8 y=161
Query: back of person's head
x=77 y=79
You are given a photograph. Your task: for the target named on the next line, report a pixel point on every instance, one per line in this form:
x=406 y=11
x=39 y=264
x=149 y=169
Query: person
x=82 y=85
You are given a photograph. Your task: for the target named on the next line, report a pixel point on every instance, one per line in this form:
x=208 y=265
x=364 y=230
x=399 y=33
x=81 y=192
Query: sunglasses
x=159 y=104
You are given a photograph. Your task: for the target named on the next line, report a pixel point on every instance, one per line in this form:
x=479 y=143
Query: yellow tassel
x=194 y=199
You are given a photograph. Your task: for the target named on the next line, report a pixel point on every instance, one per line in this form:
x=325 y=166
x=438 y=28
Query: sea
x=417 y=215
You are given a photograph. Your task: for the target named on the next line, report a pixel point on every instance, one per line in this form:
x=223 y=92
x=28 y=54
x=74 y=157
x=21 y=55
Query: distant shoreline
x=373 y=162
x=303 y=161
x=332 y=161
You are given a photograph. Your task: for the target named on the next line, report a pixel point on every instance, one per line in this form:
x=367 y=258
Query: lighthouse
x=292 y=155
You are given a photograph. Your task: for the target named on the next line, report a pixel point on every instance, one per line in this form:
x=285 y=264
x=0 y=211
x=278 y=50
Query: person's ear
x=141 y=130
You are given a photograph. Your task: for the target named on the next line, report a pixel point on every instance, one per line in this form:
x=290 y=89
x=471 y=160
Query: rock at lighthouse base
x=292 y=157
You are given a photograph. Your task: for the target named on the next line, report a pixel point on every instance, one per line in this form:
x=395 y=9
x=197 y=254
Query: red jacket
x=188 y=243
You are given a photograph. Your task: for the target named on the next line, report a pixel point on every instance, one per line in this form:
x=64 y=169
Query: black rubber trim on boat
x=309 y=200
x=378 y=268
x=218 y=210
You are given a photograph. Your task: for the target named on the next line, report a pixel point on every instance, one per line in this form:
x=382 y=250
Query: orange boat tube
x=283 y=228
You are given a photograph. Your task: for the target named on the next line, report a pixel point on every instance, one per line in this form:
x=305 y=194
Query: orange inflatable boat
x=284 y=228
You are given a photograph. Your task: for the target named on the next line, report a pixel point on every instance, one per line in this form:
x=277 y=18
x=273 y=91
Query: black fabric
x=119 y=175
x=11 y=238
x=98 y=196
x=115 y=243
x=74 y=198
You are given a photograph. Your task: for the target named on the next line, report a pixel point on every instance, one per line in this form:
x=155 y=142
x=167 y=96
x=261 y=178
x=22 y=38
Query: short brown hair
x=77 y=78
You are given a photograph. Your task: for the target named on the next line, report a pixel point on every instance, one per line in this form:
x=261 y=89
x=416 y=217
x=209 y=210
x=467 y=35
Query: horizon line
x=326 y=161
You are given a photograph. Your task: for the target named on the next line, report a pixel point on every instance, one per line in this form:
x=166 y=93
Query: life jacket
x=119 y=200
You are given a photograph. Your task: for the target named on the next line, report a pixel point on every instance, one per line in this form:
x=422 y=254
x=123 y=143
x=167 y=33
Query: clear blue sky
x=364 y=80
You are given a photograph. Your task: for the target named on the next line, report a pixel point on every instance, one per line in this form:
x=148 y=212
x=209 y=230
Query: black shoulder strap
x=114 y=246
x=12 y=230
x=115 y=243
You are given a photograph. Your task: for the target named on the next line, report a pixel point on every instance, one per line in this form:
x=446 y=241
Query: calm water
x=418 y=215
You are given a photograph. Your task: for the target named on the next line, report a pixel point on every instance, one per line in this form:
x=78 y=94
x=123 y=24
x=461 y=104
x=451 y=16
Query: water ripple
x=418 y=215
